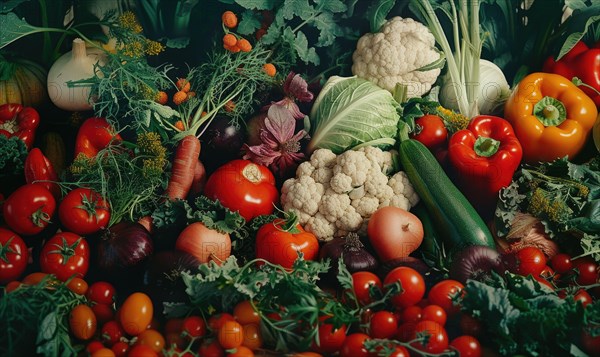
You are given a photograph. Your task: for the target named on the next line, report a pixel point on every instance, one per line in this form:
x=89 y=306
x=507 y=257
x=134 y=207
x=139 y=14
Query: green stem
x=486 y=147
x=46 y=46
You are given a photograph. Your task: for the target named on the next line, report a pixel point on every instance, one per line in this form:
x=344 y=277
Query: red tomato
x=591 y=345
x=561 y=263
x=94 y=346
x=330 y=339
x=362 y=282
x=103 y=312
x=136 y=313
x=587 y=271
x=411 y=314
x=82 y=322
x=438 y=339
x=530 y=260
x=13 y=256
x=278 y=246
x=101 y=292
x=211 y=349
x=353 y=346
x=434 y=313
x=441 y=294
x=383 y=324
x=231 y=335
x=194 y=326
x=412 y=283
x=466 y=346
x=28 y=210
x=245 y=313
x=243 y=186
x=584 y=297
x=84 y=211
x=431 y=131
x=406 y=331
x=120 y=349
x=64 y=255
x=215 y=322
x=111 y=333
x=400 y=351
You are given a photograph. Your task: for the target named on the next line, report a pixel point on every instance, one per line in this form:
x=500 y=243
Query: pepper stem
x=485 y=146
x=550 y=111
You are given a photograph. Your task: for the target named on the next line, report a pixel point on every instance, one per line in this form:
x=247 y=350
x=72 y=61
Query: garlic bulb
x=72 y=66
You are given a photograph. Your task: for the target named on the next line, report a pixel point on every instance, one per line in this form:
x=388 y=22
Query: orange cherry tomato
x=82 y=322
x=152 y=339
x=245 y=313
x=78 y=286
x=252 y=337
x=136 y=313
x=231 y=335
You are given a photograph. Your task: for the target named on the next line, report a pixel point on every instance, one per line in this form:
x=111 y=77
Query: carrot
x=199 y=179
x=230 y=40
x=179 y=125
x=229 y=19
x=270 y=69
x=182 y=172
x=161 y=98
x=183 y=85
x=244 y=45
x=179 y=97
x=229 y=106
x=146 y=221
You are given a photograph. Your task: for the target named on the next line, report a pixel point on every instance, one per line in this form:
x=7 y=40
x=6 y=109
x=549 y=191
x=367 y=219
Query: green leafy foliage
x=522 y=316
x=12 y=156
x=378 y=12
x=13 y=28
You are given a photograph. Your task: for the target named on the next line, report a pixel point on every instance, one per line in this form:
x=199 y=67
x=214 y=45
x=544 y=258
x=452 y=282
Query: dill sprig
x=37 y=315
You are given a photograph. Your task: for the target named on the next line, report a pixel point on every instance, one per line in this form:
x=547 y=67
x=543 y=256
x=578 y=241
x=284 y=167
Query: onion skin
x=475 y=262
x=394 y=233
x=221 y=143
x=356 y=258
x=124 y=245
x=203 y=243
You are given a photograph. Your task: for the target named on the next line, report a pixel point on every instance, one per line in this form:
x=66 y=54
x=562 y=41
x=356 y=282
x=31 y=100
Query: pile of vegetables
x=296 y=178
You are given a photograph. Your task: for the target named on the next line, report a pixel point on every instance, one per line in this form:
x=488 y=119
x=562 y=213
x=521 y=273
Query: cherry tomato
x=215 y=322
x=64 y=255
x=591 y=345
x=411 y=314
x=13 y=256
x=12 y=286
x=361 y=283
x=120 y=348
x=211 y=349
x=434 y=313
x=103 y=352
x=383 y=324
x=438 y=339
x=307 y=354
x=547 y=273
x=34 y=278
x=28 y=210
x=173 y=326
x=194 y=326
x=587 y=271
x=252 y=336
x=231 y=335
x=441 y=294
x=243 y=186
x=530 y=260
x=78 y=286
x=152 y=339
x=278 y=246
x=412 y=283
x=406 y=331
x=431 y=131
x=111 y=333
x=242 y=351
x=136 y=313
x=94 y=346
x=584 y=297
x=330 y=339
x=561 y=263
x=245 y=313
x=400 y=351
x=141 y=351
x=103 y=312
x=82 y=322
x=353 y=346
x=84 y=211
x=466 y=346
x=101 y=292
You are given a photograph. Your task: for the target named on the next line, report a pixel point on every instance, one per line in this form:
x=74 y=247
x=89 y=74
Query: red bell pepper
x=581 y=62
x=484 y=158
x=39 y=168
x=94 y=135
x=17 y=120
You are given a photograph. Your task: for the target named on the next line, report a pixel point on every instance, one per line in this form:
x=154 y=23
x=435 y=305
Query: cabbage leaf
x=351 y=112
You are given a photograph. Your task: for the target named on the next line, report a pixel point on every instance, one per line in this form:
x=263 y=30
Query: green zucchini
x=432 y=241
x=454 y=217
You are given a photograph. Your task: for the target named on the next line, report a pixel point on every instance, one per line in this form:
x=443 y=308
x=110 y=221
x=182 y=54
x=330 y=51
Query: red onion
x=475 y=262
x=123 y=245
x=356 y=258
x=411 y=262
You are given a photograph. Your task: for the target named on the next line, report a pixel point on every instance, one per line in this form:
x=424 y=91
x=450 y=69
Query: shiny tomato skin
x=583 y=297
x=64 y=255
x=78 y=286
x=103 y=312
x=277 y=246
x=136 y=313
x=211 y=349
x=441 y=293
x=231 y=335
x=362 y=282
x=434 y=313
x=13 y=256
x=530 y=260
x=413 y=286
x=82 y=322
x=587 y=271
x=353 y=346
x=438 y=340
x=120 y=349
x=591 y=345
x=561 y=263
x=83 y=211
x=152 y=339
x=101 y=292
x=111 y=333
x=242 y=351
x=141 y=351
x=400 y=351
x=411 y=314
x=29 y=209
x=245 y=313
x=432 y=131
x=383 y=324
x=215 y=322
x=252 y=336
x=330 y=339
x=193 y=326
x=466 y=346
x=243 y=186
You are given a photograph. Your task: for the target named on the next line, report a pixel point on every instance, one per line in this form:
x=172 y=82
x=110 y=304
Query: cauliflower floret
x=365 y=206
x=395 y=54
x=399 y=201
x=322 y=175
x=323 y=158
x=334 y=205
x=401 y=185
x=354 y=164
x=305 y=169
x=341 y=183
x=383 y=159
x=377 y=185
x=350 y=221
x=357 y=193
x=320 y=227
x=302 y=194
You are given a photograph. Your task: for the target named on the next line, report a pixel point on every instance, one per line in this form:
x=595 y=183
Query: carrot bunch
x=231 y=41
x=183 y=93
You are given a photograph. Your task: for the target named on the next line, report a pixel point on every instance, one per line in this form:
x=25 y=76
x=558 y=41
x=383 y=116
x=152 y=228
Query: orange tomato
x=78 y=286
x=136 y=313
x=82 y=322
x=252 y=337
x=152 y=339
x=231 y=335
x=245 y=313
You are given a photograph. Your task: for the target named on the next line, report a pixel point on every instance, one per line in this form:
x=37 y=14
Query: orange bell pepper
x=551 y=116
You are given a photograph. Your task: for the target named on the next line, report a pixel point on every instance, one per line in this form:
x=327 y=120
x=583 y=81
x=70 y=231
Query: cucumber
x=432 y=241
x=454 y=217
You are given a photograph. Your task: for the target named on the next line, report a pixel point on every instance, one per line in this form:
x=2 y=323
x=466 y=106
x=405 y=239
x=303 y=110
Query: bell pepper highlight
x=39 y=168
x=17 y=120
x=583 y=63
x=94 y=135
x=551 y=116
x=484 y=156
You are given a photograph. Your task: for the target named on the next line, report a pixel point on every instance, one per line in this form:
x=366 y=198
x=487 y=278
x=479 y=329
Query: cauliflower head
x=394 y=55
x=336 y=194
